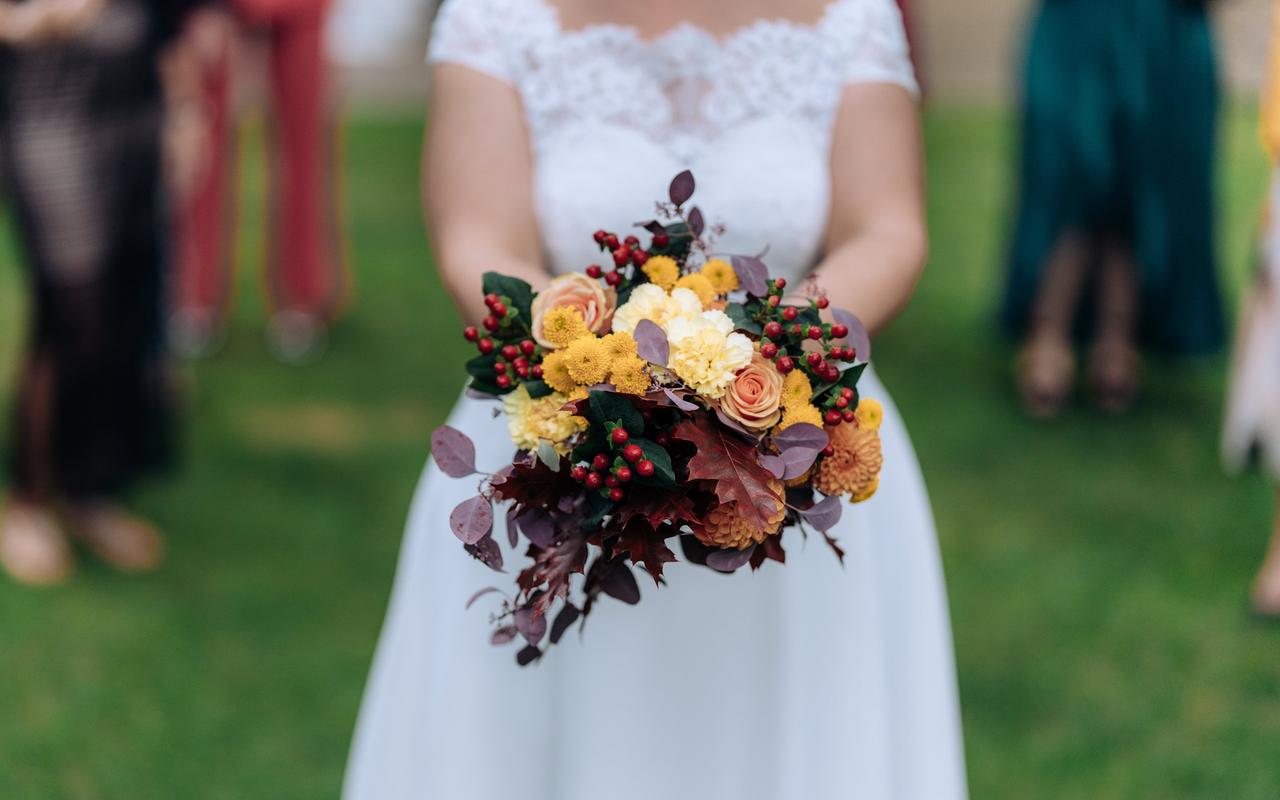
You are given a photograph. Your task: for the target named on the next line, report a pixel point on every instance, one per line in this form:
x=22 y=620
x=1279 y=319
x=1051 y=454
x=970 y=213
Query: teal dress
x=1118 y=138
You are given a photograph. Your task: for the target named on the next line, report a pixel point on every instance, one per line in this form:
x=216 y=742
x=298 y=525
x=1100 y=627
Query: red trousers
x=304 y=261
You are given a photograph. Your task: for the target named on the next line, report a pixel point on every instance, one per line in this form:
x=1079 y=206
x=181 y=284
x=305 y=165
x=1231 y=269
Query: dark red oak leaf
x=733 y=466
x=646 y=547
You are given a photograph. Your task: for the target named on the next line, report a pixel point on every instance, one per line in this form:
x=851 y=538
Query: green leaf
x=482 y=367
x=609 y=407
x=517 y=291
x=538 y=389
x=663 y=473
x=851 y=376
x=742 y=319
x=680 y=244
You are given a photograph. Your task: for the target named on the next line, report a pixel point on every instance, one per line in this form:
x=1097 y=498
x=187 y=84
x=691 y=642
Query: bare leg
x=1047 y=363
x=1266 y=586
x=1113 y=372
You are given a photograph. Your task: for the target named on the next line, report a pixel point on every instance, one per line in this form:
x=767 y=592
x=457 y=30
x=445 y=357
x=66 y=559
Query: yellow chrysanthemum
x=587 y=360
x=555 y=371
x=796 y=390
x=630 y=375
x=870 y=414
x=720 y=273
x=562 y=325
x=700 y=285
x=620 y=346
x=662 y=270
x=532 y=422
x=796 y=414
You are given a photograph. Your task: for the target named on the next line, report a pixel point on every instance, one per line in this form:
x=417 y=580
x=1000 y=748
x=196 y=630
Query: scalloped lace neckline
x=685 y=30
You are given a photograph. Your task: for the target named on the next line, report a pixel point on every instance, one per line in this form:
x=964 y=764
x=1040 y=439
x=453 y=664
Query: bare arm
x=877 y=243
x=477 y=186
x=45 y=20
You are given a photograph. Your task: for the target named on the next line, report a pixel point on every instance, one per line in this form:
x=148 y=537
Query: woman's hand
x=478 y=186
x=43 y=21
x=877 y=242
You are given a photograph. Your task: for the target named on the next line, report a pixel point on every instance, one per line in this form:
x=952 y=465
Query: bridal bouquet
x=674 y=395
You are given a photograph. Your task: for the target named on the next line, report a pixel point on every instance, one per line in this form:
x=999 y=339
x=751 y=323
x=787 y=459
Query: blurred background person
x=1115 y=232
x=1253 y=401
x=83 y=85
x=305 y=280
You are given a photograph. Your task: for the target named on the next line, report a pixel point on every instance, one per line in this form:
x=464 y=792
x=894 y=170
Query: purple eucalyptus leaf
x=651 y=342
x=528 y=655
x=809 y=437
x=679 y=402
x=682 y=187
x=513 y=534
x=774 y=464
x=797 y=461
x=476 y=394
x=532 y=626
x=504 y=635
x=454 y=452
x=564 y=620
x=547 y=455
x=654 y=227
x=729 y=560
x=696 y=222
x=825 y=514
x=479 y=594
x=620 y=584
x=538 y=527
x=858 y=338
x=487 y=552
x=472 y=520
x=752 y=274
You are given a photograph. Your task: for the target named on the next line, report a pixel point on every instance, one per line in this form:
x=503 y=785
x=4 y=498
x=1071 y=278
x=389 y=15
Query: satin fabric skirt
x=811 y=681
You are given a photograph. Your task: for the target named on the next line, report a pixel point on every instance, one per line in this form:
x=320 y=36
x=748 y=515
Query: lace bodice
x=612 y=116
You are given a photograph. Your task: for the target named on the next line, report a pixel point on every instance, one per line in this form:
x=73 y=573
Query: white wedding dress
x=809 y=681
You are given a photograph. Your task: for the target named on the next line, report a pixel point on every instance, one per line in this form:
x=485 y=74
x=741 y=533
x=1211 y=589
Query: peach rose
x=595 y=302
x=755 y=396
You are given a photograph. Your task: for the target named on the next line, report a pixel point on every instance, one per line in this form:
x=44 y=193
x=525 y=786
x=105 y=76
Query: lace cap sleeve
x=475 y=34
x=873 y=43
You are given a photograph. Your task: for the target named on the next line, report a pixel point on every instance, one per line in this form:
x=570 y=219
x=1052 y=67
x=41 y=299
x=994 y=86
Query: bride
x=812 y=681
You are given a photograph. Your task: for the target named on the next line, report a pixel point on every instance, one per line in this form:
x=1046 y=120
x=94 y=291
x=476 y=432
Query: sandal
x=1114 y=369
x=33 y=548
x=118 y=538
x=1046 y=375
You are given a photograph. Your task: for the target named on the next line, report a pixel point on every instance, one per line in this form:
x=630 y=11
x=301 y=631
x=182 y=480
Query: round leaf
x=825 y=514
x=681 y=187
x=858 y=338
x=472 y=520
x=651 y=342
x=453 y=451
x=729 y=560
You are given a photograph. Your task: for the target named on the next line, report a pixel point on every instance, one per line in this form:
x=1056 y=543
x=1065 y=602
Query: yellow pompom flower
x=531 y=422
x=620 y=346
x=796 y=390
x=720 y=273
x=700 y=285
x=587 y=360
x=630 y=375
x=662 y=270
x=796 y=414
x=555 y=371
x=870 y=414
x=562 y=325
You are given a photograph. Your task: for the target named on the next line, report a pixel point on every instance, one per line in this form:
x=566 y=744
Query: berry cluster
x=607 y=475
x=516 y=356
x=787 y=328
x=625 y=253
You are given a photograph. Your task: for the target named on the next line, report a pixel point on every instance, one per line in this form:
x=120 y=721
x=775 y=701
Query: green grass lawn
x=1097 y=567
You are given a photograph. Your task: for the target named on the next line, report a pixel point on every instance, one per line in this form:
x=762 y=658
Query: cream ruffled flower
x=531 y=422
x=706 y=353
x=651 y=302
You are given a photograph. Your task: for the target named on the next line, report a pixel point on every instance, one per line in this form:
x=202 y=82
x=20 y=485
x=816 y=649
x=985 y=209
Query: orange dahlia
x=854 y=468
x=724 y=527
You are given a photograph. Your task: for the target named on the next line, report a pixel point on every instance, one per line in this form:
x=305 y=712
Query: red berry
x=785 y=364
x=600 y=462
x=490 y=299
x=471 y=333
x=773 y=329
x=624 y=474
x=500 y=367
x=663 y=438
x=833 y=417
x=599 y=236
x=594 y=271
x=645 y=468
x=849 y=415
x=828 y=451
x=485 y=346
x=780 y=284
x=774 y=301
x=536 y=371
x=815 y=332
x=633 y=452
x=594 y=481
x=578 y=473
x=661 y=240
x=830 y=374
x=842 y=402
x=613 y=278
x=528 y=347
x=839 y=331
x=616 y=495
x=522 y=372
x=621 y=256
x=769 y=350
x=611 y=481
x=521 y=363
x=631 y=241
x=491 y=324
x=789 y=313
x=797 y=330
x=814 y=359
x=499 y=309
x=503 y=381
x=620 y=436
x=611 y=241
x=823 y=302
x=510 y=352
x=639 y=257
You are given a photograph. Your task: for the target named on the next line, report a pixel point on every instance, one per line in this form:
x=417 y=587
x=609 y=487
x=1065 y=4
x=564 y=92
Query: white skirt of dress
x=809 y=681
